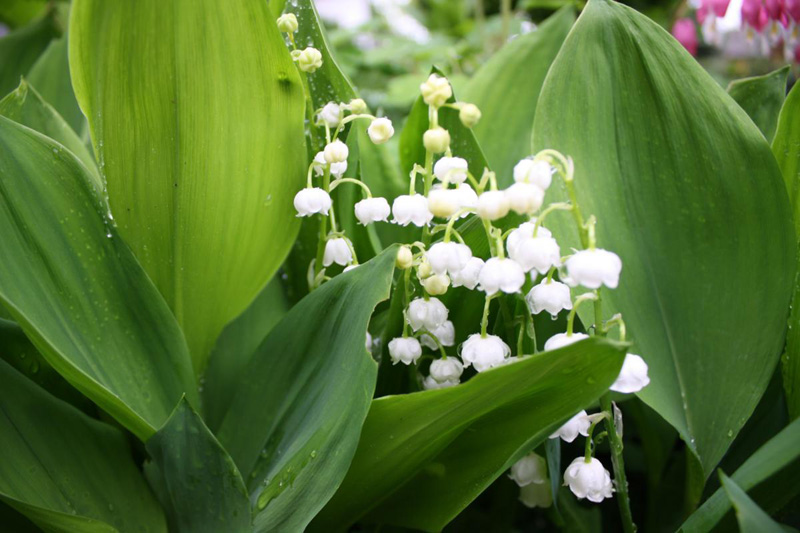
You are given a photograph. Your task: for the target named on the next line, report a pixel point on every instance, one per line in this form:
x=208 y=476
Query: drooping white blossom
x=577 y=425
x=551 y=296
x=560 y=340
x=492 y=205
x=443 y=202
x=431 y=384
x=411 y=209
x=525 y=231
x=336 y=152
x=468 y=276
x=524 y=198
x=436 y=140
x=428 y=314
x=404 y=350
x=539 y=253
x=310 y=201
x=451 y=169
x=405 y=258
x=633 y=376
x=331 y=114
x=484 y=352
x=436 y=285
x=588 y=480
x=467 y=197
x=337 y=169
x=538 y=173
x=337 y=250
x=449 y=369
x=501 y=275
x=380 y=130
x=371 y=210
x=594 y=268
x=446 y=333
x=448 y=257
x=530 y=469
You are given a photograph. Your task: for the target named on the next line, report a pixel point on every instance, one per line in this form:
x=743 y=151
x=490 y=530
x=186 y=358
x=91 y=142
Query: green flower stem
x=361 y=184
x=578 y=301
x=323 y=226
x=485 y=319
x=620 y=479
x=560 y=206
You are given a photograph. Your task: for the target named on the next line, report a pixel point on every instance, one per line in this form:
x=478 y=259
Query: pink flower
x=754 y=14
x=792 y=8
x=718 y=7
x=774 y=8
x=685 y=33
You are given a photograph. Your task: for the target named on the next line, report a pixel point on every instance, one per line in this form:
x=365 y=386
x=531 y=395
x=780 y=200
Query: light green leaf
x=20 y=49
x=17 y=12
x=424 y=457
x=294 y=424
x=196 y=114
x=65 y=471
x=752 y=519
x=77 y=291
x=204 y=490
x=506 y=90
x=762 y=97
x=667 y=164
x=781 y=451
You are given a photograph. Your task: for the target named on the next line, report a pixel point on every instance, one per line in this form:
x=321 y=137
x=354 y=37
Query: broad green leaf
x=506 y=90
x=196 y=114
x=293 y=426
x=752 y=519
x=666 y=163
x=50 y=76
x=26 y=106
x=14 y=13
x=775 y=455
x=77 y=291
x=65 y=471
x=762 y=97
x=20 y=49
x=205 y=492
x=235 y=346
x=424 y=457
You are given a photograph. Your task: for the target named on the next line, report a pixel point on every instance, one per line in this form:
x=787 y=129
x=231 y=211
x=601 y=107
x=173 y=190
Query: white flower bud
x=287 y=23
x=536 y=495
x=310 y=201
x=451 y=169
x=424 y=269
x=436 y=285
x=336 y=152
x=337 y=169
x=411 y=209
x=484 y=352
x=428 y=314
x=357 y=106
x=552 y=296
x=633 y=376
x=501 y=275
x=524 y=198
x=469 y=115
x=446 y=333
x=431 y=384
x=538 y=173
x=372 y=210
x=588 y=480
x=404 y=258
x=337 y=251
x=380 y=130
x=404 y=350
x=525 y=231
x=331 y=114
x=444 y=203
x=540 y=253
x=593 y=268
x=308 y=60
x=449 y=369
x=436 y=140
x=468 y=276
x=448 y=257
x=436 y=91
x=560 y=340
x=577 y=425
x=492 y=205
x=530 y=469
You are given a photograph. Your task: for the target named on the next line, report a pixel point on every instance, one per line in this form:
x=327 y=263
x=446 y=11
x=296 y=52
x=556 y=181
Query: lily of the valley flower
x=337 y=169
x=470 y=115
x=436 y=140
x=633 y=376
x=331 y=114
x=449 y=369
x=451 y=169
x=530 y=469
x=594 y=268
x=428 y=314
x=404 y=350
x=372 y=210
x=431 y=384
x=578 y=424
x=501 y=275
x=446 y=334
x=538 y=173
x=436 y=91
x=337 y=251
x=539 y=253
x=405 y=258
x=536 y=495
x=380 y=130
x=336 y=152
x=524 y=198
x=484 y=352
x=551 y=296
x=436 y=285
x=444 y=202
x=560 y=340
x=411 y=209
x=468 y=276
x=493 y=205
x=308 y=60
x=310 y=201
x=287 y=23
x=448 y=257
x=588 y=480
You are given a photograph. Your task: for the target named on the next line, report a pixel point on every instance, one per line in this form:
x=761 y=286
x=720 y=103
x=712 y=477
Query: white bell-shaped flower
x=380 y=130
x=357 y=106
x=577 y=425
x=551 y=296
x=431 y=384
x=468 y=276
x=443 y=202
x=448 y=257
x=436 y=285
x=428 y=314
x=467 y=197
x=451 y=169
x=371 y=210
x=536 y=495
x=404 y=350
x=436 y=90
x=538 y=173
x=484 y=352
x=337 y=251
x=501 y=275
x=524 y=198
x=560 y=340
x=411 y=209
x=492 y=205
x=449 y=369
x=538 y=253
x=524 y=232
x=337 y=169
x=530 y=469
x=336 y=152
x=588 y=480
x=310 y=201
x=633 y=376
x=446 y=333
x=308 y=60
x=594 y=268
x=332 y=114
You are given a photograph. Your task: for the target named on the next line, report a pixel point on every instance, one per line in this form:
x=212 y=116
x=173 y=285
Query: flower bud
x=287 y=23
x=357 y=106
x=492 y=205
x=445 y=334
x=380 y=130
x=560 y=340
x=308 y=60
x=404 y=350
x=337 y=251
x=534 y=172
x=530 y=469
x=449 y=369
x=501 y=275
x=588 y=480
x=372 y=210
x=331 y=114
x=448 y=257
x=404 y=258
x=594 y=268
x=524 y=198
x=436 y=285
x=424 y=269
x=428 y=314
x=336 y=152
x=436 y=91
x=469 y=115
x=451 y=169
x=550 y=296
x=468 y=276
x=633 y=376
x=310 y=201
x=436 y=140
x=578 y=424
x=411 y=209
x=484 y=352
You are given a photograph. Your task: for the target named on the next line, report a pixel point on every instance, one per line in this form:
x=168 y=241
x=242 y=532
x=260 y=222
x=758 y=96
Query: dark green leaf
x=20 y=49
x=752 y=519
x=762 y=97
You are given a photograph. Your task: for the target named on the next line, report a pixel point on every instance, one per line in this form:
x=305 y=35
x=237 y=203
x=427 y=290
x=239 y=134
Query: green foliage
x=20 y=49
x=762 y=97
x=752 y=519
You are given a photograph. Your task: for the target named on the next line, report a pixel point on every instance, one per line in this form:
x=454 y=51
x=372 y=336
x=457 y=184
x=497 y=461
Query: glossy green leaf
x=27 y=107
x=762 y=97
x=17 y=12
x=205 y=492
x=506 y=90
x=293 y=426
x=666 y=163
x=752 y=519
x=196 y=114
x=77 y=291
x=424 y=457
x=65 y=471
x=775 y=455
x=20 y=49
